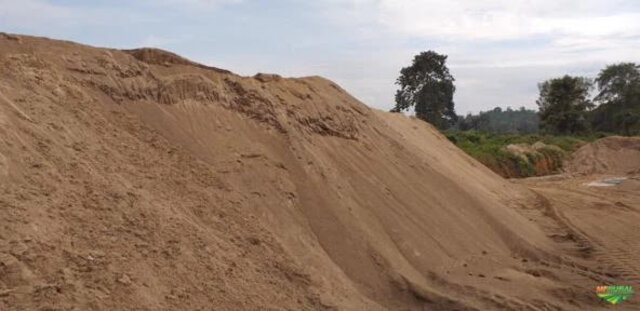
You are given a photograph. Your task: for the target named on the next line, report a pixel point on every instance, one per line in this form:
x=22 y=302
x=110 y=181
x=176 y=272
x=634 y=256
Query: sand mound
x=609 y=155
x=139 y=180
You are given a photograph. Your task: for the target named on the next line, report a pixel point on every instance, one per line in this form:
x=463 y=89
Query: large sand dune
x=138 y=180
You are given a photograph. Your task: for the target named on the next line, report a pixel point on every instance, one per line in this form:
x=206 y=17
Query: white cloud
x=498 y=49
x=506 y=19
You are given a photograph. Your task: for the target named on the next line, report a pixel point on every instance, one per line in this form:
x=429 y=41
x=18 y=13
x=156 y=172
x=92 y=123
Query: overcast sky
x=498 y=49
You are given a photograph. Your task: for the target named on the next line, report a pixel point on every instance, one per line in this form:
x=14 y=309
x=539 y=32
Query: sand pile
x=609 y=155
x=140 y=180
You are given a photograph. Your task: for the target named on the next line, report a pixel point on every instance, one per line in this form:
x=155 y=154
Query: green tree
x=427 y=85
x=619 y=98
x=563 y=105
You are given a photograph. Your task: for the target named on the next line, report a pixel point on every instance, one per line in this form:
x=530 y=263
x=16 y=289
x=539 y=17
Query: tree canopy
x=563 y=105
x=619 y=99
x=427 y=85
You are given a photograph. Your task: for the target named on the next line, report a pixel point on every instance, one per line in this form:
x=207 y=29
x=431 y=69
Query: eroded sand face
x=140 y=180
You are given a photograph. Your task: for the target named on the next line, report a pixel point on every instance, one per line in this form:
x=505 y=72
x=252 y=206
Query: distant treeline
x=565 y=104
x=509 y=121
x=566 y=107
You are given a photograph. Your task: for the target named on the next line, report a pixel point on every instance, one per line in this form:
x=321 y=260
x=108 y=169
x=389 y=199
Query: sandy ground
x=602 y=221
x=137 y=180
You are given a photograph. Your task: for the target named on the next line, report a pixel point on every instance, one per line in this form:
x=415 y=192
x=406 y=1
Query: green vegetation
x=490 y=149
x=474 y=138
x=522 y=143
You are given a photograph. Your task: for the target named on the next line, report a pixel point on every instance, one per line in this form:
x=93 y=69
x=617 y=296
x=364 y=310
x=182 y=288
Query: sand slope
x=138 y=180
x=613 y=155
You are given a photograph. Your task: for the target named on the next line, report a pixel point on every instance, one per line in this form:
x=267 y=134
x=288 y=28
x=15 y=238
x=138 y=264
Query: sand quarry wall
x=138 y=180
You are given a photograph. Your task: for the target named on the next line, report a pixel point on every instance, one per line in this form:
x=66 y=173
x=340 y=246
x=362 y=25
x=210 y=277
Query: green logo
x=614 y=294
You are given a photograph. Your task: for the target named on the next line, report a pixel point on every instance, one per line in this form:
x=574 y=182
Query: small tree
x=563 y=104
x=427 y=85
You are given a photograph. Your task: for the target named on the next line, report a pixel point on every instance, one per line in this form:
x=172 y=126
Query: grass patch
x=489 y=149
